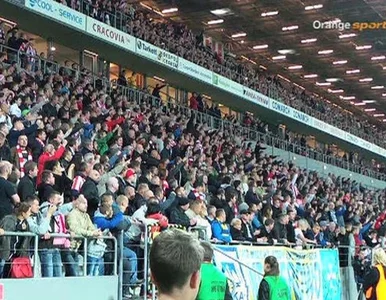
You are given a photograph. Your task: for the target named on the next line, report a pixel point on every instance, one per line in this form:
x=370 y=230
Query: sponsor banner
x=146 y=49
x=311 y=274
x=110 y=34
x=227 y=84
x=256 y=97
x=302 y=117
x=167 y=58
x=194 y=70
x=281 y=108
x=58 y=12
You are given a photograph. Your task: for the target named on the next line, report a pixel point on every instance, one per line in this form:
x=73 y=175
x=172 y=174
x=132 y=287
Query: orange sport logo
x=337 y=24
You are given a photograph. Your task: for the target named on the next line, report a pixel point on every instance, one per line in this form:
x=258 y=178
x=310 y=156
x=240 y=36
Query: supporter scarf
x=24 y=156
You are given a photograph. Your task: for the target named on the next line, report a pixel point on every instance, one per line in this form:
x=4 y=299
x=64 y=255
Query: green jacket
x=214 y=284
x=102 y=143
x=278 y=288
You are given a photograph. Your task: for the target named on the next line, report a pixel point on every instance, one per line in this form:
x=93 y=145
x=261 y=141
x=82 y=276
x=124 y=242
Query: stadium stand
x=82 y=156
x=177 y=38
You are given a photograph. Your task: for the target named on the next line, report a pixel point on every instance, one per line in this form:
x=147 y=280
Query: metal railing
x=37 y=250
x=205 y=58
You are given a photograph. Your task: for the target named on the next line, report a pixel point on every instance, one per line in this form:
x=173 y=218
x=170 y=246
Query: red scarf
x=22 y=160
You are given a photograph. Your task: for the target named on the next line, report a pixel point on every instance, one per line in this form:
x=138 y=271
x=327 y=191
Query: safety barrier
x=58 y=258
x=312 y=272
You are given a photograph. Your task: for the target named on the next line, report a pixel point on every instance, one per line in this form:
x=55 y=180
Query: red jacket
x=162 y=220
x=193 y=103
x=47 y=157
x=379 y=221
x=112 y=123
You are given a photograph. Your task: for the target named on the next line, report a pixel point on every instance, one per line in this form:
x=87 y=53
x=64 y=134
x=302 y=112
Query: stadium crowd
x=20 y=48
x=78 y=158
x=179 y=39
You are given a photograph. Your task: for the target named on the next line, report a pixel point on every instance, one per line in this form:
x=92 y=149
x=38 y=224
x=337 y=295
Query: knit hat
x=129 y=173
x=183 y=201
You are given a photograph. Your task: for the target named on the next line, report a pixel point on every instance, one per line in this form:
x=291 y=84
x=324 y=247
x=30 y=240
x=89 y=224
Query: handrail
x=63 y=235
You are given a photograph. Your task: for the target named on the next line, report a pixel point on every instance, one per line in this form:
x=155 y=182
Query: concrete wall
x=68 y=288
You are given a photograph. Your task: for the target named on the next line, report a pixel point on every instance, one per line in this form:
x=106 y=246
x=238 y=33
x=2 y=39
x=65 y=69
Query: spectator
x=178 y=215
x=46 y=188
x=266 y=233
x=43 y=222
x=90 y=192
x=26 y=186
x=79 y=223
x=14 y=246
x=8 y=196
x=280 y=229
x=236 y=230
x=20 y=155
x=49 y=154
x=220 y=229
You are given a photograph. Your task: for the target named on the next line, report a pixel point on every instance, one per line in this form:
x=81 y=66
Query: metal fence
x=57 y=261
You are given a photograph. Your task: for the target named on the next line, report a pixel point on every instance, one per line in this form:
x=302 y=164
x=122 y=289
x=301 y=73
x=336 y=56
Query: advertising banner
x=167 y=58
x=110 y=34
x=227 y=84
x=194 y=70
x=311 y=274
x=256 y=97
x=59 y=12
x=156 y=54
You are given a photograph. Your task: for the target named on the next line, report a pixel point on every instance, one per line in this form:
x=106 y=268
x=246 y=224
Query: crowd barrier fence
x=311 y=271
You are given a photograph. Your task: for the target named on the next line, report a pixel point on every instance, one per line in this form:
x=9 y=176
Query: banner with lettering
x=110 y=34
x=59 y=12
x=311 y=274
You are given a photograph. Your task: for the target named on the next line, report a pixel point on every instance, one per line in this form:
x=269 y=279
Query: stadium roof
x=262 y=30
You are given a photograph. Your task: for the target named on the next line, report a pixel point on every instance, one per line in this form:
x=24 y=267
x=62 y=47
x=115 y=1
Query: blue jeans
x=71 y=262
x=51 y=263
x=129 y=266
x=95 y=266
x=2 y=264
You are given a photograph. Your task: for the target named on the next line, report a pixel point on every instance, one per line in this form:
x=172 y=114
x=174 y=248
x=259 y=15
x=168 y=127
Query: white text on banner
x=58 y=12
x=256 y=97
x=227 y=84
x=167 y=58
x=110 y=34
x=194 y=70
x=291 y=112
x=157 y=54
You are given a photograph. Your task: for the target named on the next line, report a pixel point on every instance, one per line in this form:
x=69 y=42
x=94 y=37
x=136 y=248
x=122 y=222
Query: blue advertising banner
x=311 y=274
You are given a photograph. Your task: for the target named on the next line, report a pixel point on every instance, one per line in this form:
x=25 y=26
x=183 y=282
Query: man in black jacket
x=266 y=232
x=90 y=192
x=246 y=227
x=280 y=229
x=46 y=188
x=26 y=186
